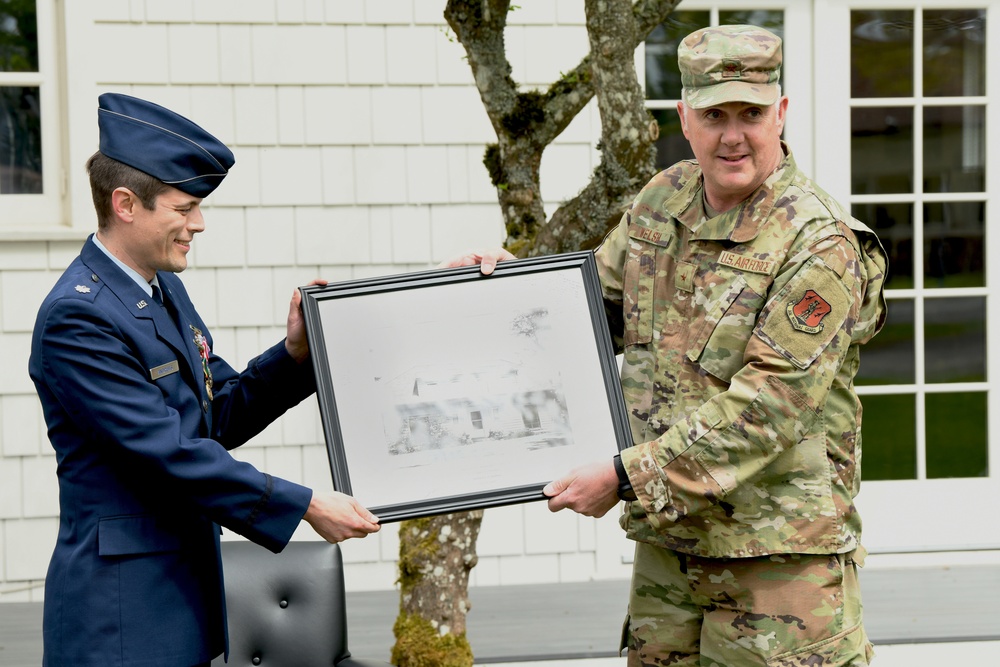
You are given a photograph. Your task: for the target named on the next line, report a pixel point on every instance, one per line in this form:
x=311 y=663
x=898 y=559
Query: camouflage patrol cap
x=730 y=63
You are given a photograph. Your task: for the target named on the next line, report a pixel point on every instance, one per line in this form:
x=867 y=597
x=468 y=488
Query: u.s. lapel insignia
x=201 y=343
x=82 y=289
x=142 y=304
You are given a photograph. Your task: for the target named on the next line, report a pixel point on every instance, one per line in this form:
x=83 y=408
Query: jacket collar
x=133 y=298
x=741 y=223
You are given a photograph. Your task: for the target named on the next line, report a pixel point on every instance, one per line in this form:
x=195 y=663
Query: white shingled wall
x=359 y=138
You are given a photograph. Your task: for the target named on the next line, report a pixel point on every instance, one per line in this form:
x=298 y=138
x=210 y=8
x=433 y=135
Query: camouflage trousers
x=790 y=610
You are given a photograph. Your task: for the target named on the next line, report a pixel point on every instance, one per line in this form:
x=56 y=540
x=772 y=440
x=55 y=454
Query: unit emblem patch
x=807 y=313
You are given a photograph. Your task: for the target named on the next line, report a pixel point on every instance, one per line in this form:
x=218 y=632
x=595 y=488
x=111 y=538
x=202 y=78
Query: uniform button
x=283 y=604
x=256 y=660
x=204 y=405
x=93 y=277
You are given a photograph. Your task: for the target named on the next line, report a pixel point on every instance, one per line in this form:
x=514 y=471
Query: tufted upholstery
x=287 y=609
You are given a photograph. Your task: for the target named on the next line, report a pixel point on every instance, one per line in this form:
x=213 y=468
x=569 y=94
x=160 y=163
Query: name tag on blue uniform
x=164 y=370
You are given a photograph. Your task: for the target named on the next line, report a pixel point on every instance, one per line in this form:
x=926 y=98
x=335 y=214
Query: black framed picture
x=448 y=390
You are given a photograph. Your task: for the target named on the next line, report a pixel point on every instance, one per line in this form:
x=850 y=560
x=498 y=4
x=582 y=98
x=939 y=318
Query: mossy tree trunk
x=437 y=554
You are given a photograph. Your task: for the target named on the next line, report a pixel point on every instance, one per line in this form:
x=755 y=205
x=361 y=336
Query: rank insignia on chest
x=807 y=313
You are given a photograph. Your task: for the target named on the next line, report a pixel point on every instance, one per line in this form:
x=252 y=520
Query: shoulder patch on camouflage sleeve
x=806 y=314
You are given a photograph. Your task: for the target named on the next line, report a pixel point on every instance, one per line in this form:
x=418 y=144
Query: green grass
x=956 y=436
x=889 y=437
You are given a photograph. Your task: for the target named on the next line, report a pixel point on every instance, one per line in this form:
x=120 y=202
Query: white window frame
x=921 y=514
x=27 y=214
x=904 y=515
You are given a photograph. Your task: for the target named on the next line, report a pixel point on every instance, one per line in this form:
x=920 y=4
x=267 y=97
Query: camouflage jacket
x=740 y=336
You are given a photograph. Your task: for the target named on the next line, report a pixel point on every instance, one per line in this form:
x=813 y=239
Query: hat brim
x=764 y=94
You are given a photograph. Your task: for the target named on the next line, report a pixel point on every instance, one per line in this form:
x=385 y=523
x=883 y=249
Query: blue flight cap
x=164 y=144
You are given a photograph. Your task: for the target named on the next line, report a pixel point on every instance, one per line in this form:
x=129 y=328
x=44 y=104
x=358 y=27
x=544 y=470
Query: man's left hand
x=590 y=490
x=487 y=260
x=296 y=341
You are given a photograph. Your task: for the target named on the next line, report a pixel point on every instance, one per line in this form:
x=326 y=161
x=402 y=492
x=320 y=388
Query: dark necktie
x=166 y=304
x=157 y=297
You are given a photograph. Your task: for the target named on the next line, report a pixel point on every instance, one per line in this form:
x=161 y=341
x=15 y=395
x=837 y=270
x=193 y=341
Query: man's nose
x=733 y=133
x=196 y=221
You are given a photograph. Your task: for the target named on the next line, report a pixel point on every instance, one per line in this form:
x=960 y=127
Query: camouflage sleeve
x=800 y=341
x=610 y=262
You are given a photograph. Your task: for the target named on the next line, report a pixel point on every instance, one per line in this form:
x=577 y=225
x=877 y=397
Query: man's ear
x=782 y=110
x=123 y=203
x=681 y=108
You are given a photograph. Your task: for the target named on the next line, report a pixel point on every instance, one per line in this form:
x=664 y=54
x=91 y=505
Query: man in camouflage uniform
x=740 y=293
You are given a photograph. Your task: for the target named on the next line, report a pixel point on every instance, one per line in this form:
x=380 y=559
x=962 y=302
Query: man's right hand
x=590 y=490
x=337 y=517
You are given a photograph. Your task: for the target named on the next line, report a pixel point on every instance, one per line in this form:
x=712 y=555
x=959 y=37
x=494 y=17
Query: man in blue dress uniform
x=142 y=413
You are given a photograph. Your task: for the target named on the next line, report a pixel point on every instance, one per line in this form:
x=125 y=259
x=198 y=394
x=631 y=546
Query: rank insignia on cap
x=82 y=289
x=808 y=312
x=731 y=69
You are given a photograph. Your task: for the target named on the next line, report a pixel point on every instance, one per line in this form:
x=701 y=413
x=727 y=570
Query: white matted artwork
x=448 y=390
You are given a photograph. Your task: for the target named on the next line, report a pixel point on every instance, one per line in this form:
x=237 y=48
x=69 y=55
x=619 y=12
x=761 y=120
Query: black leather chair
x=287 y=609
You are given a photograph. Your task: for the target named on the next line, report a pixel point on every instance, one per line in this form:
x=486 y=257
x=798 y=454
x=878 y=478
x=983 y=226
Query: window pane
x=954 y=149
x=663 y=78
x=881 y=53
x=894 y=225
x=956 y=435
x=954 y=244
x=955 y=339
x=20 y=141
x=671 y=146
x=18 y=37
x=890 y=357
x=769 y=19
x=888 y=437
x=881 y=150
x=955 y=52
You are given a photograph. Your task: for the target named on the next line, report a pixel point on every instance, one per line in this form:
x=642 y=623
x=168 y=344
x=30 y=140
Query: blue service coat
x=145 y=478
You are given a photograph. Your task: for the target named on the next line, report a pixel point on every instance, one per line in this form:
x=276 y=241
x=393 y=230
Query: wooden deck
x=576 y=621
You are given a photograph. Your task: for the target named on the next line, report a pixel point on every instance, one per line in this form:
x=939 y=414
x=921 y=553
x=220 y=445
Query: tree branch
x=479 y=27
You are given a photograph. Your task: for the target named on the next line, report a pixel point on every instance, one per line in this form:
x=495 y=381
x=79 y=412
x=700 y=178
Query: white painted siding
x=358 y=138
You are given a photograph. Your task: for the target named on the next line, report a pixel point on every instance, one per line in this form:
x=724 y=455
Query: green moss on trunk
x=418 y=644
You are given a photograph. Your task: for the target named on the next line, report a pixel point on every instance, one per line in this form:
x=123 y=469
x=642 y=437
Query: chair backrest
x=285 y=609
